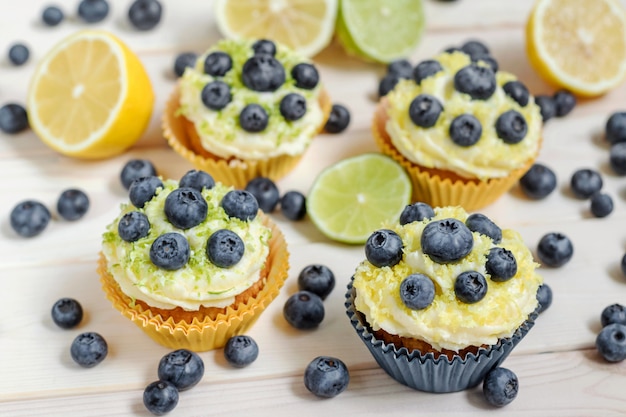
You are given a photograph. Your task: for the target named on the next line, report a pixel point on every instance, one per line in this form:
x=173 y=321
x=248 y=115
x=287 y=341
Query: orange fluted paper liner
x=444 y=188
x=208 y=328
x=182 y=137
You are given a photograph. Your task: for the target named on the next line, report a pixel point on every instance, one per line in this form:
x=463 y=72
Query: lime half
x=380 y=30
x=356 y=196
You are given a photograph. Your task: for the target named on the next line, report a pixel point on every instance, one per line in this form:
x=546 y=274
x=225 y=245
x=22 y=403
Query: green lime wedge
x=356 y=196
x=380 y=30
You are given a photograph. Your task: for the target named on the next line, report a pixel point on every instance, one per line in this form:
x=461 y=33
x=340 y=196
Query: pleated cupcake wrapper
x=204 y=333
x=234 y=172
x=424 y=372
x=438 y=191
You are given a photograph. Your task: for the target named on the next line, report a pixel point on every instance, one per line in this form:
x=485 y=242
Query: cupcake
x=464 y=132
x=191 y=263
x=443 y=297
x=246 y=109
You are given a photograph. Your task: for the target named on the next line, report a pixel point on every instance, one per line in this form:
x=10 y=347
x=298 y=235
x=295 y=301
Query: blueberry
x=305 y=76
x=538 y=182
x=133 y=226
x=145 y=14
x=265 y=191
x=29 y=218
x=386 y=84
x=501 y=264
x=198 y=180
x=170 y=251
x=474 y=48
x=470 y=287
x=623 y=264
x=13 y=118
x=424 y=110
x=426 y=69
x=384 y=248
x=482 y=224
x=585 y=182
x=546 y=107
x=263 y=72
x=511 y=127
x=517 y=91
x=615 y=128
x=416 y=212
x=544 y=297
x=18 y=54
x=89 y=349
x=292 y=106
x=240 y=204
x=217 y=63
x=447 y=240
x=338 y=119
x=401 y=68
x=93 y=11
x=185 y=207
x=241 y=351
x=465 y=130
x=293 y=205
x=564 y=102
x=326 y=377
x=253 y=118
x=160 y=397
x=500 y=386
x=52 y=16
x=184 y=60
x=67 y=313
x=487 y=59
x=264 y=46
x=417 y=291
x=72 y=204
x=611 y=342
x=601 y=204
x=143 y=190
x=614 y=313
x=617 y=158
x=318 y=279
x=224 y=248
x=181 y=367
x=215 y=95
x=136 y=168
x=477 y=81
x=555 y=249
x=304 y=310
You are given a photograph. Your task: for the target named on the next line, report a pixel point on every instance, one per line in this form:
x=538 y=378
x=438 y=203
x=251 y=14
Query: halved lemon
x=306 y=26
x=90 y=96
x=579 y=45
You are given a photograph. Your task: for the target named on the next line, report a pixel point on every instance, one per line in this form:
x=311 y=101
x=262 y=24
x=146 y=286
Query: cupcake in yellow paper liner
x=246 y=109
x=443 y=297
x=191 y=264
x=464 y=132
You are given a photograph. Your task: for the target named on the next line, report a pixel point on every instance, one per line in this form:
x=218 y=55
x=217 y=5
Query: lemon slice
x=356 y=196
x=579 y=45
x=90 y=96
x=305 y=26
x=380 y=30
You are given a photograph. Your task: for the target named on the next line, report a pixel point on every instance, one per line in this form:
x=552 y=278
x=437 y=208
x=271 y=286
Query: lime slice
x=356 y=196
x=380 y=30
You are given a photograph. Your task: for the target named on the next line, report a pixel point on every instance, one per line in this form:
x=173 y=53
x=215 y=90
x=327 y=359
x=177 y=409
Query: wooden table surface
x=560 y=372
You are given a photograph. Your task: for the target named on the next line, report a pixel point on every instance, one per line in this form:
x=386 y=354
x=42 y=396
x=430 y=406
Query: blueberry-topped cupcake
x=442 y=296
x=465 y=131
x=191 y=262
x=246 y=109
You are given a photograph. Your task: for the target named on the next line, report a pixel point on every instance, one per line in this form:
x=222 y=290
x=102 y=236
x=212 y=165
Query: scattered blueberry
x=240 y=204
x=181 y=367
x=564 y=102
x=384 y=248
x=446 y=240
x=18 y=54
x=546 y=107
x=617 y=158
x=133 y=226
x=265 y=191
x=614 y=313
x=401 y=68
x=338 y=119
x=474 y=48
x=185 y=207
x=417 y=291
x=72 y=204
x=555 y=249
x=215 y=95
x=623 y=264
x=465 y=130
x=386 y=84
x=264 y=46
x=263 y=72
x=305 y=76
x=67 y=313
x=424 y=110
x=416 y=212
x=538 y=182
x=143 y=190
x=89 y=349
x=29 y=218
x=318 y=279
x=501 y=264
x=170 y=251
x=544 y=297
x=611 y=342
x=511 y=127
x=196 y=179
x=225 y=248
x=93 y=11
x=136 y=168
x=517 y=91
x=615 y=129
x=326 y=377
x=145 y=14
x=184 y=60
x=478 y=222
x=585 y=182
x=52 y=16
x=241 y=351
x=160 y=397
x=426 y=69
x=217 y=63
x=601 y=204
x=293 y=205
x=253 y=118
x=13 y=118
x=477 y=81
x=304 y=310
x=500 y=386
x=470 y=287
x=292 y=106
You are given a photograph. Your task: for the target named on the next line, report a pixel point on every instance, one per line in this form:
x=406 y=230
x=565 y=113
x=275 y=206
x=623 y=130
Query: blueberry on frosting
x=470 y=287
x=477 y=81
x=225 y=248
x=253 y=118
x=416 y=212
x=240 y=204
x=305 y=76
x=264 y=46
x=426 y=69
x=198 y=180
x=517 y=91
x=263 y=73
x=384 y=248
x=511 y=127
x=417 y=291
x=143 y=190
x=293 y=106
x=170 y=251
x=185 y=208
x=217 y=63
x=482 y=224
x=424 y=110
x=446 y=240
x=465 y=130
x=216 y=95
x=133 y=226
x=501 y=264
